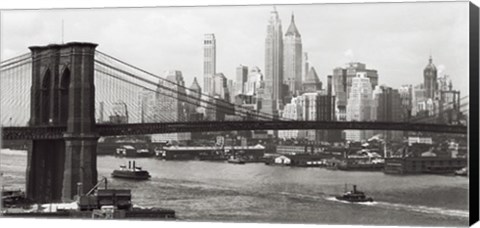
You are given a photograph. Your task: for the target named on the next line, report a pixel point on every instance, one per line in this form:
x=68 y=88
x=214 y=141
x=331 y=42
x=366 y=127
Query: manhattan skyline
x=396 y=40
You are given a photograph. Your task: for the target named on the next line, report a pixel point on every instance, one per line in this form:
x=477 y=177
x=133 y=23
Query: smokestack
x=133 y=165
x=354 y=188
x=129 y=164
x=329 y=85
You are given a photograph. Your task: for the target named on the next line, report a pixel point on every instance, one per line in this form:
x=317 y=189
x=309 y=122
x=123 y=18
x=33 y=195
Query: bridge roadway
x=56 y=132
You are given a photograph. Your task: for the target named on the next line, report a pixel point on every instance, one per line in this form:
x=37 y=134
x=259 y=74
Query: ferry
x=354 y=196
x=132 y=172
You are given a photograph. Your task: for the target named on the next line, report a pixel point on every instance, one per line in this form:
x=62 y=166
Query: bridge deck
x=51 y=132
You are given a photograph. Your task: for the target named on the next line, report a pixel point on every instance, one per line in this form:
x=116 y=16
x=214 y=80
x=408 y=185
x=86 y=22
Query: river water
x=219 y=191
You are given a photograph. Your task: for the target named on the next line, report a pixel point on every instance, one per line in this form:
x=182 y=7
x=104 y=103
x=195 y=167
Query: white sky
x=393 y=38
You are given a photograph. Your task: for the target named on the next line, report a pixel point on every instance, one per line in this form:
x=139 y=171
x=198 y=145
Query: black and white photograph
x=311 y=113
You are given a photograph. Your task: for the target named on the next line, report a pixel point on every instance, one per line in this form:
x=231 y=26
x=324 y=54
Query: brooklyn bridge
x=57 y=96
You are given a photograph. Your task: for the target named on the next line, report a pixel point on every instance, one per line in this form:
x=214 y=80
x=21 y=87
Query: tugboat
x=132 y=172
x=354 y=196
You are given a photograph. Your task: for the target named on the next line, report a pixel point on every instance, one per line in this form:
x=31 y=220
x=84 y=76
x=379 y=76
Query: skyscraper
x=418 y=97
x=340 y=92
x=254 y=80
x=171 y=103
x=318 y=105
x=342 y=83
x=209 y=62
x=406 y=98
x=195 y=94
x=220 y=87
x=272 y=101
x=356 y=67
x=388 y=108
x=292 y=111
x=292 y=56
x=240 y=80
x=430 y=80
x=148 y=106
x=359 y=105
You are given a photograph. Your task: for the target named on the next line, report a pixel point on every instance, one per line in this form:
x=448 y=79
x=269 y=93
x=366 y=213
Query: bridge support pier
x=80 y=164
x=63 y=94
x=45 y=170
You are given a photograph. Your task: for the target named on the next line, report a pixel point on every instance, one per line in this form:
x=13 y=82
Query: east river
x=219 y=191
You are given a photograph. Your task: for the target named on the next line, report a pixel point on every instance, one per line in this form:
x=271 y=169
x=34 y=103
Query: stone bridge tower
x=62 y=94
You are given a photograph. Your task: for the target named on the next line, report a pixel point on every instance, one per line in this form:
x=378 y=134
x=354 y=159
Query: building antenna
x=62 y=31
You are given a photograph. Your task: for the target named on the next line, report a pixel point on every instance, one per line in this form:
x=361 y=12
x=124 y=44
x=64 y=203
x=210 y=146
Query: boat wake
x=426 y=209
x=332 y=198
x=407 y=207
x=302 y=196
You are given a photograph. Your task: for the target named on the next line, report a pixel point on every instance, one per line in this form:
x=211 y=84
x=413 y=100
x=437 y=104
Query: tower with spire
x=430 y=79
x=292 y=56
x=272 y=98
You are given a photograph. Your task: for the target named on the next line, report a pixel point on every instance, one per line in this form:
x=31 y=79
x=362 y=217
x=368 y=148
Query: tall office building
x=220 y=87
x=209 y=62
x=292 y=111
x=194 y=96
x=272 y=100
x=388 y=108
x=292 y=59
x=148 y=106
x=171 y=103
x=449 y=105
x=240 y=80
x=342 y=80
x=340 y=92
x=254 y=79
x=430 y=80
x=317 y=106
x=406 y=100
x=359 y=106
x=356 y=67
x=418 y=98
x=231 y=90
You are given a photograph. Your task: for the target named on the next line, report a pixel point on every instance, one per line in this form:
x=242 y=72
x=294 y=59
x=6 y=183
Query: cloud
x=349 y=54
x=440 y=69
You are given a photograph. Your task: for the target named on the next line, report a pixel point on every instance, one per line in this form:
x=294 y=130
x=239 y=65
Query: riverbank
x=254 y=192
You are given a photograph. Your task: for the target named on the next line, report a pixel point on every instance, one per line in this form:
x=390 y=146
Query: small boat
x=132 y=172
x=236 y=160
x=354 y=196
x=462 y=172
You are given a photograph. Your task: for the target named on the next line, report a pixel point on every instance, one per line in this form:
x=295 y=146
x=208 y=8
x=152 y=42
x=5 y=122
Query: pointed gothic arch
x=45 y=97
x=64 y=95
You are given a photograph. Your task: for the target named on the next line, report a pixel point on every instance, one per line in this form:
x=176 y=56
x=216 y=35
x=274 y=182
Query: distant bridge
x=57 y=132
